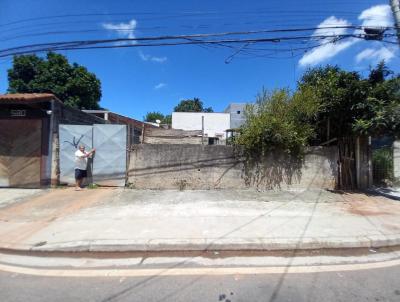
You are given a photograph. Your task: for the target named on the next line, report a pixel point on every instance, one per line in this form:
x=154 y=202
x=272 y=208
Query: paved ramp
x=21 y=220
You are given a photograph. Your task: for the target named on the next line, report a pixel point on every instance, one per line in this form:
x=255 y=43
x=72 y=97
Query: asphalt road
x=381 y=284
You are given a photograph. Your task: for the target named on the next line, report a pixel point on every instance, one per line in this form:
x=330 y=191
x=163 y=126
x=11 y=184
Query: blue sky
x=137 y=80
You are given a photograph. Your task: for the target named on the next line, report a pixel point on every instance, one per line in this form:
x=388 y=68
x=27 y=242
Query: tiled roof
x=27 y=97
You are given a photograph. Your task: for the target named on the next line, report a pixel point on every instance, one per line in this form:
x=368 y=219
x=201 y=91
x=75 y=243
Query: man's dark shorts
x=79 y=174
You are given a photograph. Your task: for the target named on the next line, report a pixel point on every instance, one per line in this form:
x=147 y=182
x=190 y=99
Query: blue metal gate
x=109 y=163
x=108 y=166
x=70 y=137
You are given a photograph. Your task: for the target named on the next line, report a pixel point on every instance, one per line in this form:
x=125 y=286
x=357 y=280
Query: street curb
x=171 y=245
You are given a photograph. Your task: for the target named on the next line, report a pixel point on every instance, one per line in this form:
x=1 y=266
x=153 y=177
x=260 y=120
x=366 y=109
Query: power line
x=93 y=44
x=149 y=28
x=171 y=37
x=160 y=16
x=181 y=14
x=122 y=29
x=218 y=39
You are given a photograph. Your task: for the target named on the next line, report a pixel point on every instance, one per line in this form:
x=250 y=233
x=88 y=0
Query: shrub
x=278 y=121
x=382 y=163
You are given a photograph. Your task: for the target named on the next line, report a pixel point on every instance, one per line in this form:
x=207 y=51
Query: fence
x=383 y=161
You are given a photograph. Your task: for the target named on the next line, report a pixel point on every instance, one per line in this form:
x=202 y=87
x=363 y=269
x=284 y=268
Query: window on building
x=213 y=140
x=238 y=112
x=136 y=135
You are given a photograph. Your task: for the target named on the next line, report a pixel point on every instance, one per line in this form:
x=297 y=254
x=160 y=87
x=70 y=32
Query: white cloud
x=329 y=50
x=158 y=59
x=159 y=86
x=325 y=52
x=124 y=30
x=376 y=54
x=332 y=21
x=146 y=57
x=379 y=15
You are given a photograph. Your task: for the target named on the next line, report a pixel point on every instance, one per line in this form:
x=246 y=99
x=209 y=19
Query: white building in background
x=215 y=124
x=236 y=110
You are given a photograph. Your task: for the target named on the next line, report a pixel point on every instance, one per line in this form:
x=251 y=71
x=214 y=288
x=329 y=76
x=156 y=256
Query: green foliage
x=72 y=84
x=278 y=121
x=337 y=91
x=156 y=115
x=195 y=105
x=130 y=185
x=325 y=97
x=153 y=116
x=167 y=119
x=93 y=186
x=351 y=105
x=382 y=163
x=379 y=73
x=379 y=113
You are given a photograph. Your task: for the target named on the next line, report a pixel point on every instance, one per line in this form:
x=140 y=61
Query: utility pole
x=395 y=4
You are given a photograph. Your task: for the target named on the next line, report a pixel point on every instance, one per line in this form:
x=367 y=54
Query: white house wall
x=215 y=124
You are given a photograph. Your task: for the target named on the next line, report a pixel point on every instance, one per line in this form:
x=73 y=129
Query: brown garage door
x=20 y=153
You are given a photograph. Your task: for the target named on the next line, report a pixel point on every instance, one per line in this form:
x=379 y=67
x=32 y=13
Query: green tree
x=278 y=121
x=167 y=119
x=380 y=113
x=379 y=73
x=327 y=98
x=156 y=115
x=338 y=92
x=192 y=105
x=351 y=105
x=72 y=84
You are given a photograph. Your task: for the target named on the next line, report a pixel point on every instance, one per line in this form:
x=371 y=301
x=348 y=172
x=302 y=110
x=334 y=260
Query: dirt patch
x=364 y=205
x=391 y=227
x=366 y=210
x=53 y=204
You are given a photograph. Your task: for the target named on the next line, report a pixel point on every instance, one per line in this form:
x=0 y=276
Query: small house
x=29 y=125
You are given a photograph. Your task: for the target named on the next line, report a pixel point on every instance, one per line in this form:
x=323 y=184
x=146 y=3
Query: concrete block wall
x=66 y=115
x=193 y=140
x=217 y=167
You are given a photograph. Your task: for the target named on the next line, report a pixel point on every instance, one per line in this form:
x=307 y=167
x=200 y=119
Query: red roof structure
x=27 y=97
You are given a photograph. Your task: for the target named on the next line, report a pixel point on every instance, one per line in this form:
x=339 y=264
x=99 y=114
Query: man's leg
x=84 y=175
x=77 y=184
x=78 y=180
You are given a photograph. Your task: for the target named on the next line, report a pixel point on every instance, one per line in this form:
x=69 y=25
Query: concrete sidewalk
x=132 y=220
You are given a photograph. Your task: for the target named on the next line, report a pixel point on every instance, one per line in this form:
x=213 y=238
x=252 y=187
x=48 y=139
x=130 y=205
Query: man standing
x=81 y=159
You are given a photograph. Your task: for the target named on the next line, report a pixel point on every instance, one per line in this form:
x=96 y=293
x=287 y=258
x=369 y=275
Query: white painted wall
x=215 y=124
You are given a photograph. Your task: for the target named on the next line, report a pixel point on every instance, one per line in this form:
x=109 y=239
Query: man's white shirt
x=80 y=160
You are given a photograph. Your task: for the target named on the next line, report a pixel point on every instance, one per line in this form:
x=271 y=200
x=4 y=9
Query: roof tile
x=26 y=97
